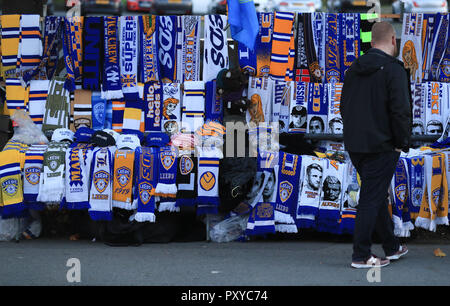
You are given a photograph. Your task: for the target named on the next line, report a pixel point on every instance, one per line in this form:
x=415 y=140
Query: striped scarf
x=37 y=99
x=148 y=35
x=52 y=36
x=129 y=56
x=92 y=53
x=191 y=48
x=349 y=36
x=16 y=95
x=81 y=109
x=11 y=184
x=215 y=54
x=208 y=199
x=73 y=50
x=30 y=47
x=146 y=170
x=118 y=110
x=10 y=44
x=301 y=61
x=98 y=111
x=281 y=40
x=332 y=65
x=193 y=108
x=167 y=51
x=111 y=89
x=34 y=159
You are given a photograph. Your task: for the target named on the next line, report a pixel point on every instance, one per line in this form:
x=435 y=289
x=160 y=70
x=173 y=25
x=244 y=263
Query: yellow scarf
x=10 y=43
x=123 y=179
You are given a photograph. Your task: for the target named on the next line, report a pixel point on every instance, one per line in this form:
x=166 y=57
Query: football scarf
x=439 y=45
x=186 y=179
x=287 y=195
x=167 y=51
x=208 y=199
x=427 y=41
x=309 y=199
x=108 y=115
x=281 y=100
x=92 y=52
x=37 y=99
x=416 y=184
x=171 y=108
x=57 y=106
x=411 y=45
x=179 y=49
x=332 y=65
x=215 y=53
x=153 y=95
x=399 y=187
x=145 y=161
x=52 y=37
x=315 y=70
x=100 y=194
x=350 y=200
x=301 y=60
x=317 y=108
x=73 y=50
x=298 y=109
x=78 y=166
x=418 y=108
x=118 y=109
x=30 y=47
x=443 y=71
x=319 y=31
x=331 y=197
x=132 y=115
x=281 y=40
x=122 y=196
x=11 y=184
x=34 y=158
x=434 y=92
x=81 y=109
x=98 y=111
x=16 y=95
x=191 y=48
x=10 y=44
x=52 y=182
x=148 y=35
x=166 y=187
x=111 y=86
x=349 y=41
x=193 y=108
x=260 y=96
x=213 y=103
x=335 y=123
x=129 y=56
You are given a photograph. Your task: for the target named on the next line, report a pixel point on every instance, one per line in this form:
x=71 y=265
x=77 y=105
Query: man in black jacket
x=376 y=110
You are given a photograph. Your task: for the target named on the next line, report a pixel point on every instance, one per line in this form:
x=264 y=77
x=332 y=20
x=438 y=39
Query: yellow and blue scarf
x=73 y=50
x=34 y=159
x=148 y=59
x=10 y=44
x=11 y=184
x=52 y=37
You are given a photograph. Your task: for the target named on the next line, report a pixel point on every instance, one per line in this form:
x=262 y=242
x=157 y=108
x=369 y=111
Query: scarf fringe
x=124 y=205
x=441 y=221
x=144 y=216
x=166 y=190
x=286 y=228
x=281 y=217
x=423 y=223
x=306 y=222
x=112 y=94
x=168 y=206
x=100 y=215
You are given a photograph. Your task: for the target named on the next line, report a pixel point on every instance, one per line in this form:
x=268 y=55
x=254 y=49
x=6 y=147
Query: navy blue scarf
x=92 y=52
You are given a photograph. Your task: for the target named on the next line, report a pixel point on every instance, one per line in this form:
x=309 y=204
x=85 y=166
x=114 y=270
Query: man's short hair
x=382 y=32
x=335 y=120
x=313 y=166
x=317 y=118
x=298 y=110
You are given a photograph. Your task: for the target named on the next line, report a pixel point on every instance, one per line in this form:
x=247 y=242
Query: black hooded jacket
x=376 y=104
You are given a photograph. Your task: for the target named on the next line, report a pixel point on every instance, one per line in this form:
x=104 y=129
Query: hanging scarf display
x=299 y=109
x=146 y=170
x=111 y=86
x=434 y=92
x=215 y=53
x=153 y=100
x=122 y=196
x=11 y=184
x=92 y=52
x=399 y=187
x=34 y=159
x=319 y=31
x=148 y=35
x=348 y=42
x=416 y=184
x=118 y=109
x=98 y=111
x=260 y=96
x=213 y=103
x=418 y=108
x=167 y=51
x=186 y=179
x=171 y=108
x=287 y=196
x=193 y=108
x=316 y=71
x=100 y=193
x=281 y=40
x=439 y=45
x=37 y=99
x=16 y=95
x=335 y=123
x=129 y=56
x=208 y=199
x=411 y=45
x=317 y=108
x=350 y=199
x=427 y=41
x=10 y=44
x=81 y=109
x=57 y=106
x=332 y=64
x=191 y=48
x=301 y=60
x=166 y=186
x=52 y=36
x=73 y=50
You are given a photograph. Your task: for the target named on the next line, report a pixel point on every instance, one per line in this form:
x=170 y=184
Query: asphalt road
x=255 y=263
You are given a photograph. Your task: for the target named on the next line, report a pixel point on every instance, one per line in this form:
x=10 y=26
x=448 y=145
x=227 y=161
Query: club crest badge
x=207 y=181
x=101 y=180
x=417 y=197
x=167 y=159
x=123 y=175
x=285 y=190
x=186 y=165
x=145 y=192
x=400 y=192
x=10 y=187
x=32 y=175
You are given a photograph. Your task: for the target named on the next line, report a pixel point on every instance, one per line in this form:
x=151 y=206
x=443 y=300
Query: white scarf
x=434 y=92
x=411 y=45
x=37 y=99
x=260 y=95
x=100 y=197
x=208 y=180
x=193 y=110
x=215 y=54
x=30 y=44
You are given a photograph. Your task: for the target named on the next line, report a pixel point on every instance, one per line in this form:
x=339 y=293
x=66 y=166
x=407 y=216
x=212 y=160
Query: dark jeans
x=376 y=171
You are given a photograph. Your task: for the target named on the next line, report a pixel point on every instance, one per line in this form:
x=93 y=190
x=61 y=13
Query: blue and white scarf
x=167 y=51
x=52 y=36
x=298 y=108
x=349 y=41
x=440 y=44
x=100 y=194
x=153 y=106
x=148 y=58
x=335 y=123
x=146 y=171
x=112 y=88
x=32 y=169
x=92 y=52
x=318 y=22
x=191 y=48
x=332 y=67
x=427 y=36
x=208 y=199
x=215 y=54
x=213 y=103
x=98 y=111
x=443 y=73
x=349 y=200
x=400 y=193
x=416 y=184
x=167 y=159
x=317 y=106
x=129 y=56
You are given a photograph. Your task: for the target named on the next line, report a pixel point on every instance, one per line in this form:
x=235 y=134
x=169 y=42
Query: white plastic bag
x=229 y=229
x=26 y=131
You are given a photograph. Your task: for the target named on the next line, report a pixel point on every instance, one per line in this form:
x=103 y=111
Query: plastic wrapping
x=229 y=229
x=25 y=131
x=9 y=228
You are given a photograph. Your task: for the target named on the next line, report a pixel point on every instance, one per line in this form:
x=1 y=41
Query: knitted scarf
x=11 y=184
x=37 y=99
x=418 y=108
x=171 y=108
x=317 y=108
x=52 y=37
x=186 y=179
x=208 y=199
x=92 y=52
x=331 y=197
x=319 y=30
x=335 y=124
x=350 y=200
x=309 y=199
x=16 y=95
x=179 y=49
x=57 y=106
x=30 y=47
x=399 y=189
x=332 y=64
x=148 y=35
x=287 y=195
x=443 y=74
x=281 y=39
x=132 y=115
x=167 y=51
x=167 y=159
x=112 y=88
x=81 y=108
x=153 y=96
x=10 y=44
x=416 y=184
x=73 y=50
x=411 y=45
x=215 y=53
x=100 y=194
x=98 y=111
x=435 y=106
x=299 y=108
x=145 y=162
x=439 y=46
x=191 y=48
x=32 y=169
x=122 y=196
x=301 y=60
x=193 y=108
x=78 y=166
x=260 y=95
x=118 y=109
x=129 y=56
x=315 y=70
x=349 y=36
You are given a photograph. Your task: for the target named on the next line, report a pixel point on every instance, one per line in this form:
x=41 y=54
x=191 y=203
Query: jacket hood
x=372 y=61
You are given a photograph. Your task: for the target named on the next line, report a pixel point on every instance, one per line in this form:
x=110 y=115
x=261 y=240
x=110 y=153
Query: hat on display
x=112 y=133
x=128 y=141
x=158 y=139
x=62 y=134
x=84 y=134
x=102 y=139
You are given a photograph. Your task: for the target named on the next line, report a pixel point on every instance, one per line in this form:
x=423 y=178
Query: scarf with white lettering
x=52 y=36
x=129 y=56
x=34 y=159
x=439 y=46
x=112 y=88
x=73 y=50
x=287 y=195
x=10 y=44
x=416 y=184
x=186 y=179
x=215 y=54
x=208 y=199
x=11 y=193
x=399 y=187
x=301 y=60
x=148 y=59
x=122 y=196
x=166 y=187
x=319 y=29
x=37 y=99
x=92 y=52
x=349 y=41
x=335 y=123
x=100 y=194
x=193 y=108
x=167 y=51
x=411 y=45
x=332 y=65
x=179 y=49
x=350 y=200
x=57 y=106
x=191 y=48
x=418 y=91
x=153 y=100
x=146 y=171
x=435 y=106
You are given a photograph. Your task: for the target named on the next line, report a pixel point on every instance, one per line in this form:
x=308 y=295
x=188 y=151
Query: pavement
x=60 y=262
